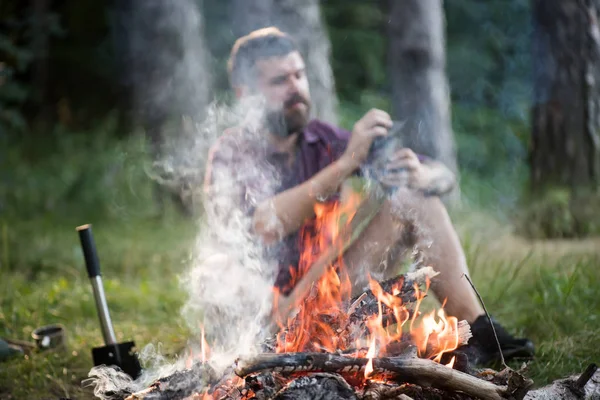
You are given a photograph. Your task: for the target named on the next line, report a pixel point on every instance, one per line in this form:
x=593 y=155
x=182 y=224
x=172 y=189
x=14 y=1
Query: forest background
x=90 y=90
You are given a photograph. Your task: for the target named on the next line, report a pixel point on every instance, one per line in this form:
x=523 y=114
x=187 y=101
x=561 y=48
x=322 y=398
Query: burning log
x=398 y=347
x=417 y=371
x=414 y=379
x=367 y=304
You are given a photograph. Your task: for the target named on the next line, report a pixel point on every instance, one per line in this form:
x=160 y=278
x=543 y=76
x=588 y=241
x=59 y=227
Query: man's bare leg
x=409 y=219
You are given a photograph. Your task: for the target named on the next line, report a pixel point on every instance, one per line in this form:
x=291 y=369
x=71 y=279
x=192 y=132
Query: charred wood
x=179 y=385
x=569 y=389
x=330 y=376
x=353 y=322
x=586 y=376
x=417 y=371
x=317 y=386
x=381 y=391
x=402 y=287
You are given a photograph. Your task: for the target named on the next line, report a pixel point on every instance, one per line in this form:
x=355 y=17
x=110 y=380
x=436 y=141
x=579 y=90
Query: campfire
x=332 y=345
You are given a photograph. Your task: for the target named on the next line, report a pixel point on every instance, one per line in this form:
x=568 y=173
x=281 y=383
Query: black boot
x=483 y=349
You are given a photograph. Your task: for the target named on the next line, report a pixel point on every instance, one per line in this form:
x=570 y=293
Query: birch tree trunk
x=420 y=93
x=303 y=21
x=565 y=141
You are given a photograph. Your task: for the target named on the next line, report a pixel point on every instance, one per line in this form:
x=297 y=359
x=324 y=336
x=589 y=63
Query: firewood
x=398 y=347
x=586 y=386
x=417 y=371
x=366 y=305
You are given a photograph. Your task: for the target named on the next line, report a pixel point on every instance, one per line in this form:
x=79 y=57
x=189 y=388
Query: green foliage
x=489 y=55
x=75 y=175
x=560 y=213
x=491 y=156
x=359 y=47
x=13 y=93
x=18 y=56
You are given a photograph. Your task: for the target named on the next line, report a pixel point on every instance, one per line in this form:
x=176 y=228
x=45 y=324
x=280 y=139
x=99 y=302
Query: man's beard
x=282 y=125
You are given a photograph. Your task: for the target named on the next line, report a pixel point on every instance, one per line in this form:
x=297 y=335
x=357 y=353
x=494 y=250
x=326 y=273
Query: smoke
x=229 y=282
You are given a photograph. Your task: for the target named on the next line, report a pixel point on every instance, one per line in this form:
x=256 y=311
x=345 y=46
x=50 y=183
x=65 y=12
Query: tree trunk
x=565 y=141
x=169 y=70
x=248 y=16
x=302 y=20
x=420 y=94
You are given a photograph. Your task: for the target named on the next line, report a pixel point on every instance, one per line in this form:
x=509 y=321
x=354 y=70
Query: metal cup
x=49 y=336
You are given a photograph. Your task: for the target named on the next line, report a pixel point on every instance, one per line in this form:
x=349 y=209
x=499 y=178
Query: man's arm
x=285 y=213
x=429 y=176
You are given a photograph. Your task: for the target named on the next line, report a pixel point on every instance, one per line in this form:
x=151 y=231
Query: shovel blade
x=121 y=355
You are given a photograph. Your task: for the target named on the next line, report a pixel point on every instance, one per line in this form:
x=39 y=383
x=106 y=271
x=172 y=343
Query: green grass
x=548 y=296
x=140 y=263
x=545 y=294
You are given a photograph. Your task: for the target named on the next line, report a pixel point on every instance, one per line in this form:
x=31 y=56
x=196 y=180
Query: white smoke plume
x=228 y=283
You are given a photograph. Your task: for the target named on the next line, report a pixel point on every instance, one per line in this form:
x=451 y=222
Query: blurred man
x=311 y=159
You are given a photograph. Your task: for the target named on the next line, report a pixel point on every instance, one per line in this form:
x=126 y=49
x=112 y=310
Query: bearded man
x=311 y=159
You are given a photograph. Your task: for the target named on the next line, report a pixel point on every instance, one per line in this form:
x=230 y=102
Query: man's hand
x=373 y=124
x=404 y=169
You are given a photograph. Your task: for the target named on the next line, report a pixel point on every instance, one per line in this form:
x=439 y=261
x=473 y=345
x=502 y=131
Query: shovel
x=113 y=353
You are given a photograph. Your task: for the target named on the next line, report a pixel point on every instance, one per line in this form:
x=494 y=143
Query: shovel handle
x=89 y=250
x=93 y=269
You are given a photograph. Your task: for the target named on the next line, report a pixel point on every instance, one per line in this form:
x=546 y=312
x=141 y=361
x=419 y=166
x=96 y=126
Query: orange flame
x=311 y=328
x=316 y=326
x=451 y=363
x=370 y=356
x=204 y=351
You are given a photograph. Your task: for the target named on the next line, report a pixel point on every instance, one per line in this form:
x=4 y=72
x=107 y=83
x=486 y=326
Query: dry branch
x=569 y=388
x=417 y=371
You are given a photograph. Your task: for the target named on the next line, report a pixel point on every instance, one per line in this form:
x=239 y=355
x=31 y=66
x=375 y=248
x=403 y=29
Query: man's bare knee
x=421 y=212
